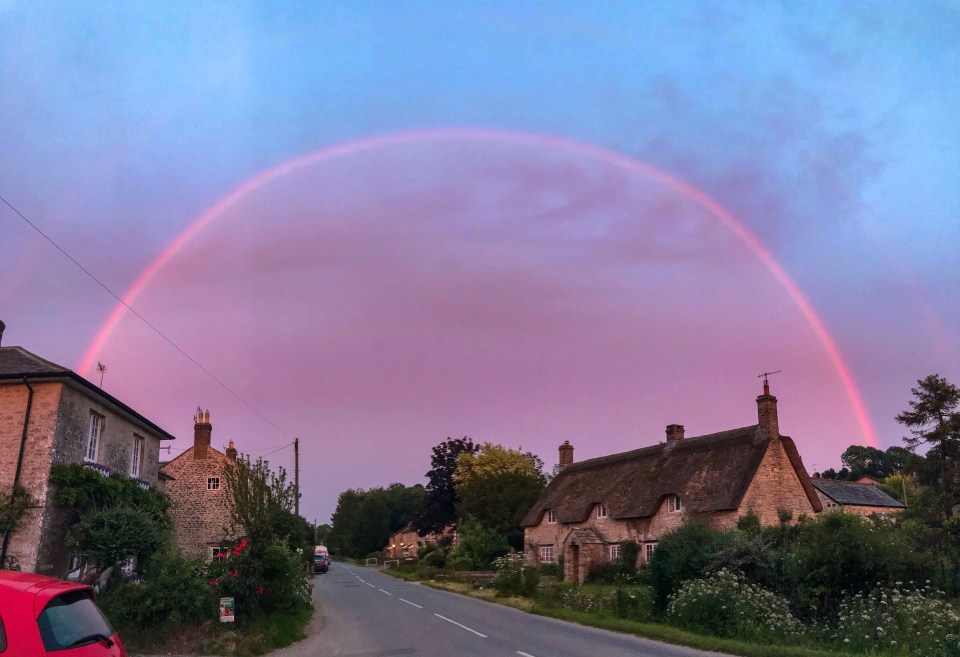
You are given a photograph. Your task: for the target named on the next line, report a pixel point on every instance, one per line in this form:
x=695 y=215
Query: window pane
x=69 y=618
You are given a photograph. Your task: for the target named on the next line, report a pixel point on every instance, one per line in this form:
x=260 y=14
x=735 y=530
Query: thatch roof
x=709 y=473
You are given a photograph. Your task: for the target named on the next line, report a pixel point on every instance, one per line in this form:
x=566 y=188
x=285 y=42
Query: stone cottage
x=199 y=493
x=591 y=508
x=406 y=541
x=49 y=414
x=854 y=497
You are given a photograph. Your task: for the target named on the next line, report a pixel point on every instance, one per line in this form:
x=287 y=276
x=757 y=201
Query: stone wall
x=775 y=487
x=201 y=516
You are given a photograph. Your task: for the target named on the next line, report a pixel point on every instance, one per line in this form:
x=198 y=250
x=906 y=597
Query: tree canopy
x=439 y=508
x=364 y=519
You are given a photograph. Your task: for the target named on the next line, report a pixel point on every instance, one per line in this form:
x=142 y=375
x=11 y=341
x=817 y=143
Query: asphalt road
x=363 y=613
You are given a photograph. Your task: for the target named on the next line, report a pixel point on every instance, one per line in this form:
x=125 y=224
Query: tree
x=497 y=486
x=864 y=460
x=257 y=494
x=440 y=502
x=934 y=421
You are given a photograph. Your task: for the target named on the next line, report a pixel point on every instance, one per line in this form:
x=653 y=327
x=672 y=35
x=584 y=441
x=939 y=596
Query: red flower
x=213 y=583
x=260 y=590
x=233 y=572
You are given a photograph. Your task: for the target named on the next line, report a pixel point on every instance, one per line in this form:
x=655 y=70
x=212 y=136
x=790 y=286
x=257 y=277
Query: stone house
x=591 y=508
x=406 y=541
x=199 y=493
x=49 y=414
x=855 y=497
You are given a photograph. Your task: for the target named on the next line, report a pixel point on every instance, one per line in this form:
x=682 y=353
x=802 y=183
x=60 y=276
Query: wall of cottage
x=201 y=516
x=25 y=544
x=775 y=487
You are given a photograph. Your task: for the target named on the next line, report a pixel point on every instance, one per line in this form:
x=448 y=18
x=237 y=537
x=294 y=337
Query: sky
x=376 y=225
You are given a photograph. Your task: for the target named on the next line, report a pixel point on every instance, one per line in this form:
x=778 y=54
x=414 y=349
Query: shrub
x=897 y=618
x=514 y=576
x=749 y=555
x=682 y=554
x=478 y=547
x=433 y=559
x=632 y=602
x=552 y=570
x=727 y=605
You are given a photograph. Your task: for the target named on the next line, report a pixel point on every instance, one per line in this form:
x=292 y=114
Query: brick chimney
x=566 y=454
x=767 y=412
x=674 y=432
x=231 y=452
x=201 y=434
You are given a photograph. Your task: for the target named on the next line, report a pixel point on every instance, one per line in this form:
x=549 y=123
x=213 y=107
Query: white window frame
x=94 y=432
x=547 y=555
x=136 y=459
x=213 y=483
x=614 y=551
x=601 y=510
x=215 y=552
x=674 y=504
x=648 y=549
x=551 y=517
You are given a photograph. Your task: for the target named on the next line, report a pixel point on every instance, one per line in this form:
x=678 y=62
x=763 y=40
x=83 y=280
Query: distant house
x=869 y=479
x=406 y=542
x=49 y=414
x=199 y=493
x=855 y=497
x=591 y=508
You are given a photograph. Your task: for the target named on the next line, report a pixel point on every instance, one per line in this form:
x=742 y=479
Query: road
x=363 y=613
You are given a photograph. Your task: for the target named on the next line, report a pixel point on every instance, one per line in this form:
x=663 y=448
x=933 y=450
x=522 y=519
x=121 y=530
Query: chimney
x=767 y=412
x=566 y=454
x=674 y=432
x=231 y=452
x=2 y=327
x=201 y=434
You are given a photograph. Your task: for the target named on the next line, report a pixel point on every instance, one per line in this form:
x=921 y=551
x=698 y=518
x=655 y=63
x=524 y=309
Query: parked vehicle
x=321 y=563
x=47 y=617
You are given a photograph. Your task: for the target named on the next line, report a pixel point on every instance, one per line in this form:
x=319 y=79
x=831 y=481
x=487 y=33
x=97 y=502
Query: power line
x=145 y=321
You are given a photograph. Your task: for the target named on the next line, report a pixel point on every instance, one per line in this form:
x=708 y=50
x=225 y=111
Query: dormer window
x=601 y=510
x=673 y=504
x=551 y=517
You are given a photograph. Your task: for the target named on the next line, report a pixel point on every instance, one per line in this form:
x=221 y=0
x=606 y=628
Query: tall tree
x=497 y=486
x=440 y=502
x=934 y=421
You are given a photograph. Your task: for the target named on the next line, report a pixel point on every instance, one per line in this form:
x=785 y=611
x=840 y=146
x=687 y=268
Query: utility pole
x=296 y=475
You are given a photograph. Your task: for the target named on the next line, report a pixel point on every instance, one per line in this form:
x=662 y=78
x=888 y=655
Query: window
x=601 y=510
x=546 y=554
x=614 y=551
x=551 y=516
x=93 y=437
x=648 y=549
x=213 y=483
x=673 y=503
x=3 y=637
x=216 y=552
x=72 y=620
x=137 y=458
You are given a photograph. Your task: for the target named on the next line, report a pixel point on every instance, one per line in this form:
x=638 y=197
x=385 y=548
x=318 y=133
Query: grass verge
x=654 y=631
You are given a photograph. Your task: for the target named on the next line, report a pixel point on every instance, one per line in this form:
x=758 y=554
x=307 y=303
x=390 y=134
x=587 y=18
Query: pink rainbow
x=488 y=134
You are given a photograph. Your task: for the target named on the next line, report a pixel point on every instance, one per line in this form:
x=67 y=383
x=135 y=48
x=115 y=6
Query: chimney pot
x=674 y=432
x=566 y=454
x=201 y=435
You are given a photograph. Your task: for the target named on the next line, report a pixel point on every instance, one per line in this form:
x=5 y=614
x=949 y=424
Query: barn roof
x=851 y=493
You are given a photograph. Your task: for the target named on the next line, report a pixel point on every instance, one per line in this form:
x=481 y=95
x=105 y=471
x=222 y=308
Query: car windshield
x=70 y=620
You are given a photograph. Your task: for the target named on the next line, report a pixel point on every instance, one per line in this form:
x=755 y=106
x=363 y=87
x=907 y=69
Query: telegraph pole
x=296 y=475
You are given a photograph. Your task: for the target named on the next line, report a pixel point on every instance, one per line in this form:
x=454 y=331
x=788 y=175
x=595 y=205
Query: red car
x=46 y=617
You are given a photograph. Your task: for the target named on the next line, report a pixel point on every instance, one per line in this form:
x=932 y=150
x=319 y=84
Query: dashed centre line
x=524 y=654
x=387 y=592
x=370 y=585
x=468 y=629
x=410 y=603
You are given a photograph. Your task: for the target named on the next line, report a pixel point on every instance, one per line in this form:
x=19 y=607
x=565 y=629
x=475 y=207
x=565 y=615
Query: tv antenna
x=766 y=384
x=101 y=368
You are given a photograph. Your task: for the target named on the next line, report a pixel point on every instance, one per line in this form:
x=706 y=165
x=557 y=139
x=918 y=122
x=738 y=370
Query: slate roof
x=17 y=364
x=710 y=473
x=850 y=493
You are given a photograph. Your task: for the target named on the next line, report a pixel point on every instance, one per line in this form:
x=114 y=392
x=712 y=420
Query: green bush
x=631 y=602
x=725 y=604
x=477 y=548
x=682 y=554
x=174 y=592
x=896 y=618
x=433 y=559
x=514 y=576
x=552 y=570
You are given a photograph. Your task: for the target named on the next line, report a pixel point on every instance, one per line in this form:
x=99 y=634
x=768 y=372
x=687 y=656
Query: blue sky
x=828 y=128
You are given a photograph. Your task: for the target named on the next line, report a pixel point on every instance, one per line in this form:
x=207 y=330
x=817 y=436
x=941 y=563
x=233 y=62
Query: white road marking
x=387 y=592
x=410 y=603
x=370 y=585
x=468 y=629
x=524 y=654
